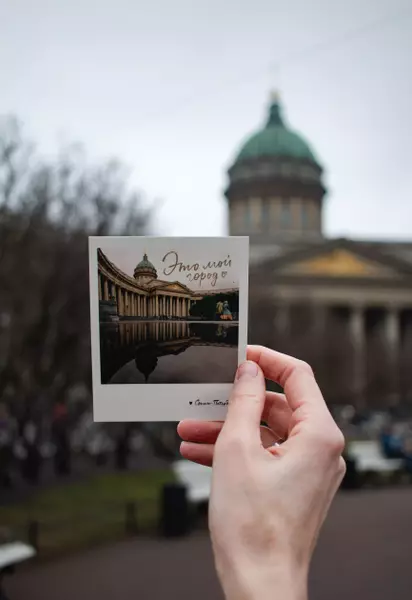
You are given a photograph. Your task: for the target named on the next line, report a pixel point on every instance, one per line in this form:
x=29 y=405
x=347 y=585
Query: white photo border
x=163 y=402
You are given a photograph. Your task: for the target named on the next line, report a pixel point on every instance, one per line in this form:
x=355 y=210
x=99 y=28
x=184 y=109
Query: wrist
x=268 y=580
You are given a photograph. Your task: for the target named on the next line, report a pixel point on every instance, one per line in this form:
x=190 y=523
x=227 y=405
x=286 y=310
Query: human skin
x=268 y=502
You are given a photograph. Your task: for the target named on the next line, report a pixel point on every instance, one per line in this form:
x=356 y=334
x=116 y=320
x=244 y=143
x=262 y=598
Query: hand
x=267 y=504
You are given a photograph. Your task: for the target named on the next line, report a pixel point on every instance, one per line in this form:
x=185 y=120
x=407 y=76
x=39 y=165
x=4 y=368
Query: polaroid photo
x=168 y=325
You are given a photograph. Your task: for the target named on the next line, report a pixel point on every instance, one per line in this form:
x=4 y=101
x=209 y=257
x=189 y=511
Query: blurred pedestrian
x=391 y=442
x=30 y=438
x=61 y=439
x=7 y=439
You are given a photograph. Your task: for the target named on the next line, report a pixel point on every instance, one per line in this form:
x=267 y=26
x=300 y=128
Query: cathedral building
x=343 y=305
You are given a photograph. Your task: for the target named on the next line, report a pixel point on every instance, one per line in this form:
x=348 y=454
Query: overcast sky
x=172 y=88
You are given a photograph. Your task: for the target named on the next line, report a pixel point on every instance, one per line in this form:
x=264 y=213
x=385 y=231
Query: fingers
x=311 y=423
x=202 y=453
x=276 y=413
x=295 y=376
x=246 y=403
x=198 y=453
x=206 y=432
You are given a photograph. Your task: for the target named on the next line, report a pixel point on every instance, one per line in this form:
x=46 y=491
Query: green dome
x=276 y=140
x=145 y=263
x=145 y=267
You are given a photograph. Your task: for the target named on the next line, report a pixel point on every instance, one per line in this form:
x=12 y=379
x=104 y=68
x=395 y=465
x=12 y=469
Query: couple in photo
x=223 y=311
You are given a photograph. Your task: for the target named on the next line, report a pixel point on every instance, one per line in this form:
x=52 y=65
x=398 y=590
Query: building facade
x=343 y=305
x=143 y=295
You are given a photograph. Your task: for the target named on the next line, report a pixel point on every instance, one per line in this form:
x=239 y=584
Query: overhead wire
x=293 y=57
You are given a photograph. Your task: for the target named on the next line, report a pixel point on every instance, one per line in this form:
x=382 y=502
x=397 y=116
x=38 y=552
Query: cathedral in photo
x=342 y=305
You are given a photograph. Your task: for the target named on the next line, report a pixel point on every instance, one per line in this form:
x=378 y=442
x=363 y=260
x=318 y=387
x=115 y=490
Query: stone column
x=106 y=290
x=119 y=300
x=281 y=321
x=358 y=339
x=393 y=339
x=320 y=318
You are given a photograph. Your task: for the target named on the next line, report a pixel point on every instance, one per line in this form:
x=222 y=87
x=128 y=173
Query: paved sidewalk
x=363 y=554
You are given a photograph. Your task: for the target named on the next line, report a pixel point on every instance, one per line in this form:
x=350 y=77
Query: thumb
x=246 y=402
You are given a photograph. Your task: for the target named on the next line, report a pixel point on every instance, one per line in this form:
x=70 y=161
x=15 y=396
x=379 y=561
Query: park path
x=363 y=554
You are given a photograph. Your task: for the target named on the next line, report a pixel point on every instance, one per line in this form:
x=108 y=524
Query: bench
x=197 y=480
x=370 y=460
x=11 y=554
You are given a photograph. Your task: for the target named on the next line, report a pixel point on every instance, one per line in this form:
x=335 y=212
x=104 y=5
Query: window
x=266 y=217
x=247 y=216
x=305 y=215
x=285 y=215
x=286 y=169
x=309 y=173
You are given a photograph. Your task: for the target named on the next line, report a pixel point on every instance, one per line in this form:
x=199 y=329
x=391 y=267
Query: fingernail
x=247 y=369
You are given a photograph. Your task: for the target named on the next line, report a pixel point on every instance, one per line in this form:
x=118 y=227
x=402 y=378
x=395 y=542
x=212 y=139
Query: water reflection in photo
x=168 y=352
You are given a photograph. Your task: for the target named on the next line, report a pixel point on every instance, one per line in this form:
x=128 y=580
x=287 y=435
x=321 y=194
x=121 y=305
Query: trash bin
x=175 y=515
x=351 y=479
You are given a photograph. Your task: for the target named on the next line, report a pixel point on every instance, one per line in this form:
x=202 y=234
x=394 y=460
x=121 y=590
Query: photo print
x=169 y=323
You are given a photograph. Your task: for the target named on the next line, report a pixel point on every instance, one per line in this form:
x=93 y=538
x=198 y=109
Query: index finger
x=311 y=419
x=295 y=376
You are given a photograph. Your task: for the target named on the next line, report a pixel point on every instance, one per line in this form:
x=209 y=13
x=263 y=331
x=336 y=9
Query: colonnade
x=133 y=303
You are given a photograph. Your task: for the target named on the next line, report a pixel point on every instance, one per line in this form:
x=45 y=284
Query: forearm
x=270 y=582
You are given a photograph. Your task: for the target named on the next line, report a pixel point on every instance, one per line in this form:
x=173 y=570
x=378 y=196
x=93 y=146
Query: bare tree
x=48 y=208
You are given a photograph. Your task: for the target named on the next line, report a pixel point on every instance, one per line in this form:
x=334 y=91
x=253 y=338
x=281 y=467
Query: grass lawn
x=83 y=514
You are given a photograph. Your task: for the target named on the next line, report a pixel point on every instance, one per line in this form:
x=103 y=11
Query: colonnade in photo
x=138 y=303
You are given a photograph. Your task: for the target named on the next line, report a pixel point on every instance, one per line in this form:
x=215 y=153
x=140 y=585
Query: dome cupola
x=275 y=184
x=145 y=270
